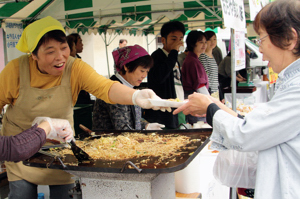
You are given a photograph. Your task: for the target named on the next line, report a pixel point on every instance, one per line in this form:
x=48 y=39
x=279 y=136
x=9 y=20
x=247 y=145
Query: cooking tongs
x=80 y=154
x=90 y=134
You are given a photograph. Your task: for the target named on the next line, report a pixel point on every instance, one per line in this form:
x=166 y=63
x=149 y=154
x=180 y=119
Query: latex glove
x=60 y=129
x=140 y=98
x=155 y=126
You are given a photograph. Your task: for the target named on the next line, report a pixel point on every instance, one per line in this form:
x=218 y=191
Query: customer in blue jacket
x=164 y=77
x=272 y=128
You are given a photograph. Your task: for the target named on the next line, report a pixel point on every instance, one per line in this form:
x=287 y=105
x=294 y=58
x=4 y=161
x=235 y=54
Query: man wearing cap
x=46 y=82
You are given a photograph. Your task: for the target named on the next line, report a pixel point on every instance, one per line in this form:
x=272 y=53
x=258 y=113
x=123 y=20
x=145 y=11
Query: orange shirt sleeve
x=84 y=77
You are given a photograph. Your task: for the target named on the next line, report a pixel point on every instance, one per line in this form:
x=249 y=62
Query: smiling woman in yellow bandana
x=46 y=83
x=35 y=31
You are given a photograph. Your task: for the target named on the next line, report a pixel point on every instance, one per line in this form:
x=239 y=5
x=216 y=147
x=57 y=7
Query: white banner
x=239 y=46
x=233 y=14
x=2 y=64
x=13 y=32
x=255 y=7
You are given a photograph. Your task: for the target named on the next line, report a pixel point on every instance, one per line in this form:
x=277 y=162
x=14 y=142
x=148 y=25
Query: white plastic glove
x=60 y=129
x=140 y=98
x=155 y=126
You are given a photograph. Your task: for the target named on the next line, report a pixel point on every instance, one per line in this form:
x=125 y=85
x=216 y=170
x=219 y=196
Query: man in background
x=78 y=43
x=122 y=43
x=217 y=53
x=83 y=97
x=182 y=56
x=164 y=78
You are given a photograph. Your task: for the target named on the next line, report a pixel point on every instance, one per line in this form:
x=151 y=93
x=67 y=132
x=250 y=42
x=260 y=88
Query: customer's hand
x=140 y=98
x=196 y=105
x=60 y=129
x=177 y=44
x=155 y=126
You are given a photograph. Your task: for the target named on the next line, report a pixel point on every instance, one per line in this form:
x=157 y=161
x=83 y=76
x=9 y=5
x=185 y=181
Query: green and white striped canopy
x=115 y=16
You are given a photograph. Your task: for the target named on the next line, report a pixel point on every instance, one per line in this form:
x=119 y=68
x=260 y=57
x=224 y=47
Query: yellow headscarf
x=35 y=31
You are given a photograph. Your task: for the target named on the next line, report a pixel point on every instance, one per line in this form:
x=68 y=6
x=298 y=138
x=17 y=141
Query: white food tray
x=166 y=103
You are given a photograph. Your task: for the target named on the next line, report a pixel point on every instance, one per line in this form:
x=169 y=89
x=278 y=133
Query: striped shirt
x=211 y=69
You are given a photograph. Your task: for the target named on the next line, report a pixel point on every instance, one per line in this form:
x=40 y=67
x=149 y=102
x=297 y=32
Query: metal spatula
x=79 y=153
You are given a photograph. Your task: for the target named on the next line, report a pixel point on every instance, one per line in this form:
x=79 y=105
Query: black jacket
x=161 y=81
x=115 y=116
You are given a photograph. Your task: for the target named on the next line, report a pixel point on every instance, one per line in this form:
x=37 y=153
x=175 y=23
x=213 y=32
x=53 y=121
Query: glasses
x=259 y=41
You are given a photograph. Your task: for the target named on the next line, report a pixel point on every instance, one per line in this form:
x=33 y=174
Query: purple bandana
x=127 y=54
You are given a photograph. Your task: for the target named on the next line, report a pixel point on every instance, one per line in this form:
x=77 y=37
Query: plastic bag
x=236 y=169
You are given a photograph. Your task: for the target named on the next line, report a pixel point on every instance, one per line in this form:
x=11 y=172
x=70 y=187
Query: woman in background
x=72 y=45
x=209 y=62
x=194 y=77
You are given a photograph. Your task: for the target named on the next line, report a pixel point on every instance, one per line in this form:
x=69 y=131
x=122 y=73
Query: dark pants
x=23 y=189
x=223 y=83
x=189 y=118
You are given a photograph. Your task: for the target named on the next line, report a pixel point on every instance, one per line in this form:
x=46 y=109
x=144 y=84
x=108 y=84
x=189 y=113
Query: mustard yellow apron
x=54 y=102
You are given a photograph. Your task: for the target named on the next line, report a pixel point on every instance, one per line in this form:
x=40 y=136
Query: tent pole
x=233 y=73
x=105 y=41
x=147 y=43
x=233 y=91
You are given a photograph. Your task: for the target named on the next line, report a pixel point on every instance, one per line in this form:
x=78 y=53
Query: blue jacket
x=272 y=129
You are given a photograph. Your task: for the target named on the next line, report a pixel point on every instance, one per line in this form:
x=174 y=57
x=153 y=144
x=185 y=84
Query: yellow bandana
x=35 y=31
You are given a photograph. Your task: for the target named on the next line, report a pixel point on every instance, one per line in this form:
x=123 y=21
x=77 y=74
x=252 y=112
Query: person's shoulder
x=217 y=49
x=202 y=55
x=77 y=62
x=182 y=55
x=227 y=58
x=226 y=61
x=115 y=49
x=79 y=67
x=114 y=78
x=157 y=52
x=12 y=67
x=77 y=56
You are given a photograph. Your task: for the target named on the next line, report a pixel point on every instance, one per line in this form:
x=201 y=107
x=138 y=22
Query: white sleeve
x=266 y=126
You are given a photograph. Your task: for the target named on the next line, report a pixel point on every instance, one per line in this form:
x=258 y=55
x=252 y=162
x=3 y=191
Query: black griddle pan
x=107 y=166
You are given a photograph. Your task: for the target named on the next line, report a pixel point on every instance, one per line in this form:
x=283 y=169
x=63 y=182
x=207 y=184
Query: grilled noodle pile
x=134 y=145
x=175 y=100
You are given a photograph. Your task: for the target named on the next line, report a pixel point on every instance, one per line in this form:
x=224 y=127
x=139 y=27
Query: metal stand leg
x=232 y=193
x=76 y=191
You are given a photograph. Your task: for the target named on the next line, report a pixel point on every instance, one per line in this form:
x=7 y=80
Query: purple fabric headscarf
x=127 y=54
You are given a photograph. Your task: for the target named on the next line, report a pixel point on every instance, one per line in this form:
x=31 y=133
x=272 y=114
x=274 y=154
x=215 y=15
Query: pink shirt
x=193 y=73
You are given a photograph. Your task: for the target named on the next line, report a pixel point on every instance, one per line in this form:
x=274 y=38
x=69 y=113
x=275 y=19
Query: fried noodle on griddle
x=134 y=145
